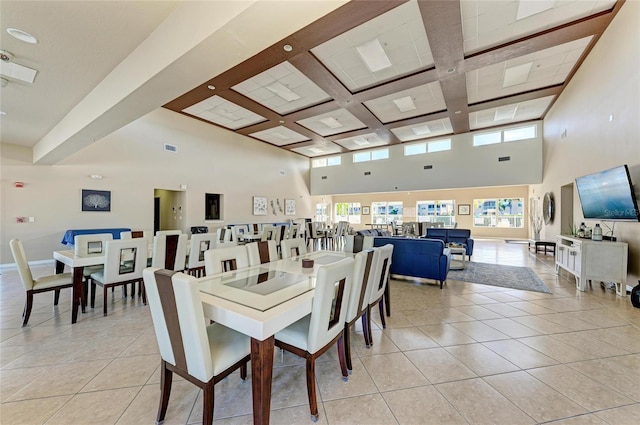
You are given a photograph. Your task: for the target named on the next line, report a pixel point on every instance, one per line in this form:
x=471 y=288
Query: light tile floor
x=466 y=354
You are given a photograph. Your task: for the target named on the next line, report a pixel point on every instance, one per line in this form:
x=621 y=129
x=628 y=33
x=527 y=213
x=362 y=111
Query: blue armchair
x=425 y=258
x=460 y=236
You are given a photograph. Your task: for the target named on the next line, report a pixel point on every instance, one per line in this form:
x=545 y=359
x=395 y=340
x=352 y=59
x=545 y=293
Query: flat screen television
x=608 y=195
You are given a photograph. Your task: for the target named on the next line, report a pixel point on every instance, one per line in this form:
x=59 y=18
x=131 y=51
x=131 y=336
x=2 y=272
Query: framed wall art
x=290 y=207
x=365 y=211
x=96 y=200
x=464 y=209
x=259 y=205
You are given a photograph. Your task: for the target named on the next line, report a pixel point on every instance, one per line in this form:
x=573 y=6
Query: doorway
x=169 y=210
x=566 y=209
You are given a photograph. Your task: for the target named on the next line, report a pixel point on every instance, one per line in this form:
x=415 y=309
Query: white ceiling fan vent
x=170 y=148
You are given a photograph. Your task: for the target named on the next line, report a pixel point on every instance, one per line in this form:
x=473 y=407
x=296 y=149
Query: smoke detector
x=6 y=56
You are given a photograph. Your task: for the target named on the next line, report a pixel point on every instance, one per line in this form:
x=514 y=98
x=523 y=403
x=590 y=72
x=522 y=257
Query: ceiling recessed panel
x=487 y=24
x=279 y=136
x=423 y=130
x=327 y=148
x=385 y=48
x=508 y=114
x=282 y=89
x=335 y=122
x=408 y=103
x=363 y=141
x=545 y=68
x=222 y=112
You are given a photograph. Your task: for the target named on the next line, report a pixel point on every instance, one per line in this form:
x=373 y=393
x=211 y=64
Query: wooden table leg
x=76 y=296
x=261 y=374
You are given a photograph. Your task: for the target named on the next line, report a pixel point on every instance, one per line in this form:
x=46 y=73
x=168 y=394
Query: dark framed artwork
x=365 y=211
x=464 y=209
x=96 y=200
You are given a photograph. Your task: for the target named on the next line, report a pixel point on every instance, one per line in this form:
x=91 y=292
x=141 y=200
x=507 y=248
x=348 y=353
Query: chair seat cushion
x=89 y=270
x=296 y=334
x=227 y=346
x=98 y=276
x=52 y=281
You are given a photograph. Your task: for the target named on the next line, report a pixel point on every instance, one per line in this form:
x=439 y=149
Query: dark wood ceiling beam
x=415 y=80
x=443 y=24
x=517 y=98
x=590 y=26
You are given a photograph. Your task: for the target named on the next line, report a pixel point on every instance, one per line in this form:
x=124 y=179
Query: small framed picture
x=96 y=200
x=290 y=207
x=259 y=205
x=365 y=211
x=464 y=209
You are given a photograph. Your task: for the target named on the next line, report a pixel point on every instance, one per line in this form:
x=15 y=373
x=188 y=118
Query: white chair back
x=261 y=252
x=224 y=235
x=280 y=233
x=363 y=275
x=21 y=262
x=124 y=260
x=239 y=232
x=357 y=243
x=170 y=251
x=199 y=243
x=91 y=245
x=329 y=308
x=168 y=232
x=293 y=247
x=382 y=263
x=294 y=231
x=184 y=344
x=225 y=259
x=268 y=232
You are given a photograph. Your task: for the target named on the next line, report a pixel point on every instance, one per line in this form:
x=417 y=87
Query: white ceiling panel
x=426 y=98
x=283 y=89
x=363 y=141
x=279 y=136
x=508 y=114
x=222 y=112
x=423 y=130
x=549 y=67
x=326 y=148
x=399 y=32
x=335 y=122
x=486 y=24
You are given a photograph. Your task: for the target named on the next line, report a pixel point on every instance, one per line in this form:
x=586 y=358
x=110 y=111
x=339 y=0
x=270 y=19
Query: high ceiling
x=375 y=73
x=343 y=76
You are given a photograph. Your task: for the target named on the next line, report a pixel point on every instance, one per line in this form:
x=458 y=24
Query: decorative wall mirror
x=548 y=208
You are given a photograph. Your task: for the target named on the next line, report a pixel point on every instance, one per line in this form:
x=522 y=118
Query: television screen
x=608 y=195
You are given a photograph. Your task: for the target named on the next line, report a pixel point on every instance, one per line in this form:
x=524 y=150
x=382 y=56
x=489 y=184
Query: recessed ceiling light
x=516 y=75
x=96 y=176
x=373 y=55
x=281 y=121
x=22 y=35
x=360 y=141
x=405 y=104
x=287 y=48
x=421 y=129
x=315 y=150
x=210 y=87
x=3 y=113
x=331 y=122
x=282 y=91
x=457 y=112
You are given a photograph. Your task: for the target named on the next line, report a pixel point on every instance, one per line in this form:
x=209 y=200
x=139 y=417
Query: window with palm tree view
x=436 y=212
x=386 y=212
x=498 y=212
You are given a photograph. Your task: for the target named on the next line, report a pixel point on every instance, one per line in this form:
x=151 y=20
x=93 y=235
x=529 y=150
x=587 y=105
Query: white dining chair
x=54 y=282
x=201 y=354
x=315 y=333
x=198 y=244
x=91 y=246
x=293 y=247
x=382 y=261
x=225 y=259
x=124 y=261
x=262 y=252
x=170 y=251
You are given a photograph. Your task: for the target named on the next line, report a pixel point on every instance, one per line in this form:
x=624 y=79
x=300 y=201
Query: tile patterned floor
x=467 y=354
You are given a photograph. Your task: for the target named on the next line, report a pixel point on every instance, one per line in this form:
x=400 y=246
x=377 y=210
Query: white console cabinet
x=588 y=260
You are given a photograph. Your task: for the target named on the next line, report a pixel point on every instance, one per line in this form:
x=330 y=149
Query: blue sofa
x=419 y=257
x=460 y=236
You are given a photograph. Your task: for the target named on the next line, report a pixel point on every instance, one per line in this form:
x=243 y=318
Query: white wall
x=133 y=163
x=608 y=83
x=463 y=166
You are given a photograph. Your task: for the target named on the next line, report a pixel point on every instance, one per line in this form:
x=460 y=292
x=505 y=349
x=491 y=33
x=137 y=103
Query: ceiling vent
x=367 y=173
x=428 y=167
x=170 y=148
x=504 y=158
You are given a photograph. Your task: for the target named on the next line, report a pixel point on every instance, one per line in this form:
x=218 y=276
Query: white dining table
x=77 y=264
x=260 y=301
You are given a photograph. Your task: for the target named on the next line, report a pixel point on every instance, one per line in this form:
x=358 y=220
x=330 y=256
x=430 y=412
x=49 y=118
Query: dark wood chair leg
x=104 y=300
x=208 y=403
x=28 y=305
x=347 y=346
x=311 y=387
x=56 y=296
x=341 y=357
x=143 y=292
x=369 y=333
x=365 y=329
x=166 y=377
x=387 y=299
x=93 y=294
x=381 y=308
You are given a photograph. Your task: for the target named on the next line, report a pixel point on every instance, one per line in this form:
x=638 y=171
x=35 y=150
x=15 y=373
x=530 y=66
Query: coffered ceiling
x=375 y=73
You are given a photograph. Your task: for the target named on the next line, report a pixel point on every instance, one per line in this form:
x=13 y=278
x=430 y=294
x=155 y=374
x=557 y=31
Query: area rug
x=505 y=276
